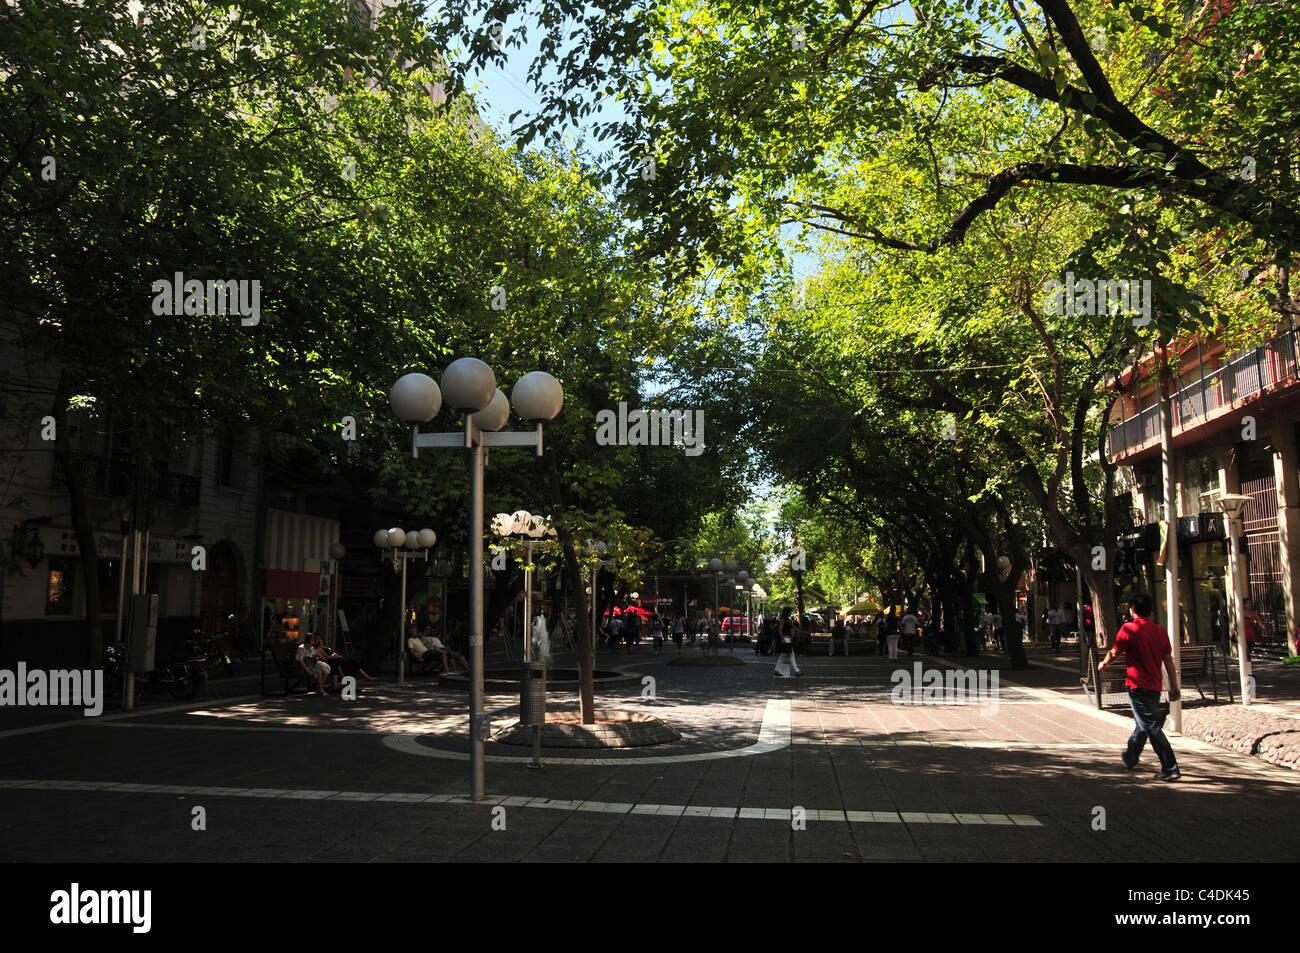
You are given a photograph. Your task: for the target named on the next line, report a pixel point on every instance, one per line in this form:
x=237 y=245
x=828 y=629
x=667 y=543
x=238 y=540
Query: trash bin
x=532 y=693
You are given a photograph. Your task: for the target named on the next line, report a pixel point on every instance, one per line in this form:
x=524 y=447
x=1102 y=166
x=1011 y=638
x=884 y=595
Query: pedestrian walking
x=995 y=621
x=1145 y=647
x=615 y=632
x=1056 y=623
x=657 y=633
x=631 y=628
x=891 y=640
x=786 y=666
x=882 y=630
x=908 y=627
x=679 y=630
x=839 y=633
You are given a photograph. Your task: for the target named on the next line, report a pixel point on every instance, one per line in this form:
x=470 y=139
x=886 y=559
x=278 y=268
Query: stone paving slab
x=876 y=781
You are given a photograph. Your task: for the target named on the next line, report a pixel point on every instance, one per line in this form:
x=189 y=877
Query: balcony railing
x=1238 y=380
x=112 y=476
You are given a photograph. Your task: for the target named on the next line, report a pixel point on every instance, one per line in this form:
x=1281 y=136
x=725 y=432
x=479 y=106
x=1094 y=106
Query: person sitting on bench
x=451 y=659
x=421 y=653
x=339 y=666
x=315 y=668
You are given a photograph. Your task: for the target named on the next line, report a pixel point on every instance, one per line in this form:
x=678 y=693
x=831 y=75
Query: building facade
x=1235 y=417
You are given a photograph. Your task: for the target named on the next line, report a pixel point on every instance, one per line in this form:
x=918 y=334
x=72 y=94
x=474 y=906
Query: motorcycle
x=205 y=650
x=182 y=680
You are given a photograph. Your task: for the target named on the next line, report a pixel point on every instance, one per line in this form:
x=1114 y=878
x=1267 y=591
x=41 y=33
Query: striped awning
x=297 y=552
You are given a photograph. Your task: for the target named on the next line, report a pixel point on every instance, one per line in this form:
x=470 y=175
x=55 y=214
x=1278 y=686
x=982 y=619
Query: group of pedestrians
x=627 y=627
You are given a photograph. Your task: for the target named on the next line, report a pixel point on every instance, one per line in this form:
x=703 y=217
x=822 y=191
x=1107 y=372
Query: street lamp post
x=470 y=389
x=1231 y=505
x=530 y=529
x=442 y=570
x=742 y=585
x=595 y=548
x=337 y=552
x=412 y=540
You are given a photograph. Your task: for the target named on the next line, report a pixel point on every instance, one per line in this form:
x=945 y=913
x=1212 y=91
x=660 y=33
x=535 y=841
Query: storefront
x=300 y=586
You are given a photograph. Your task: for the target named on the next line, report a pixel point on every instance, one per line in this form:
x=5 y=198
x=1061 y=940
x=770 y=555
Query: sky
x=500 y=90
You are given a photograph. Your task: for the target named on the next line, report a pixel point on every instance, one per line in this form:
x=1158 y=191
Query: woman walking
x=785 y=635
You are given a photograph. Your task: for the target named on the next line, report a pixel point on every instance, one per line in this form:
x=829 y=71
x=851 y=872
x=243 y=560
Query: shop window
x=59 y=585
x=1124 y=510
x=1202 y=476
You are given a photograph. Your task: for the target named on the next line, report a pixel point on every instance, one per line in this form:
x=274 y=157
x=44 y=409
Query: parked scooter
x=182 y=680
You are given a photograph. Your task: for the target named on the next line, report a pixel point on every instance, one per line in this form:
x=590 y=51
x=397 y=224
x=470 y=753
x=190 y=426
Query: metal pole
x=528 y=601
x=1242 y=662
x=477 y=720
x=332 y=619
x=1171 y=548
x=401 y=627
x=128 y=676
x=1078 y=595
x=121 y=591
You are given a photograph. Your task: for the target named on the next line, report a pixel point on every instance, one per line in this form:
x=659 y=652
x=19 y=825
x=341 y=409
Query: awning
x=297 y=554
x=867 y=606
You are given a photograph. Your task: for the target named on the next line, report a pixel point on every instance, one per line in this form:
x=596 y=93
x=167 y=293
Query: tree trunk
x=1105 y=611
x=586 y=670
x=582 y=630
x=80 y=513
x=970 y=614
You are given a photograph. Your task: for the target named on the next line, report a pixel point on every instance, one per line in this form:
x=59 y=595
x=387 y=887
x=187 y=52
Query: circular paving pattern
x=565 y=679
x=613 y=729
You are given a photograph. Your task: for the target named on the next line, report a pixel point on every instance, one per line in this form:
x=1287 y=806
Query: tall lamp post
x=404 y=544
x=441 y=569
x=530 y=530
x=471 y=391
x=337 y=552
x=1231 y=505
x=742 y=586
x=596 y=548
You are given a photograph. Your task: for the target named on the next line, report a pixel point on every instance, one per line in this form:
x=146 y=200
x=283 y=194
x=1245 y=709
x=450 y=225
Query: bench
x=1195 y=662
x=418 y=665
x=283 y=654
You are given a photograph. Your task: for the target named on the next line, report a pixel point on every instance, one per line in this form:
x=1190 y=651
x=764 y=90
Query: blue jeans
x=1149 y=724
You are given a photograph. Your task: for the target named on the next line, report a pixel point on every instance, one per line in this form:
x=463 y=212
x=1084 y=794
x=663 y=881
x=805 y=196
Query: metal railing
x=1238 y=380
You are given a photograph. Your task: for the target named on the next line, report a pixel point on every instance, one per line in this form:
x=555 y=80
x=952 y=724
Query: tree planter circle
x=557 y=679
x=613 y=729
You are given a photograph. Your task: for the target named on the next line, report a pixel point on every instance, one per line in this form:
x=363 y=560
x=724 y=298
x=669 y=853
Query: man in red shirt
x=1145 y=647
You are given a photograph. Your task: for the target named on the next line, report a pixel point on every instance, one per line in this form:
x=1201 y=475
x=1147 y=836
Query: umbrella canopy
x=867 y=606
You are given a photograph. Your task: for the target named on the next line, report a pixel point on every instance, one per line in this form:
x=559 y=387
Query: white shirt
x=907 y=625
